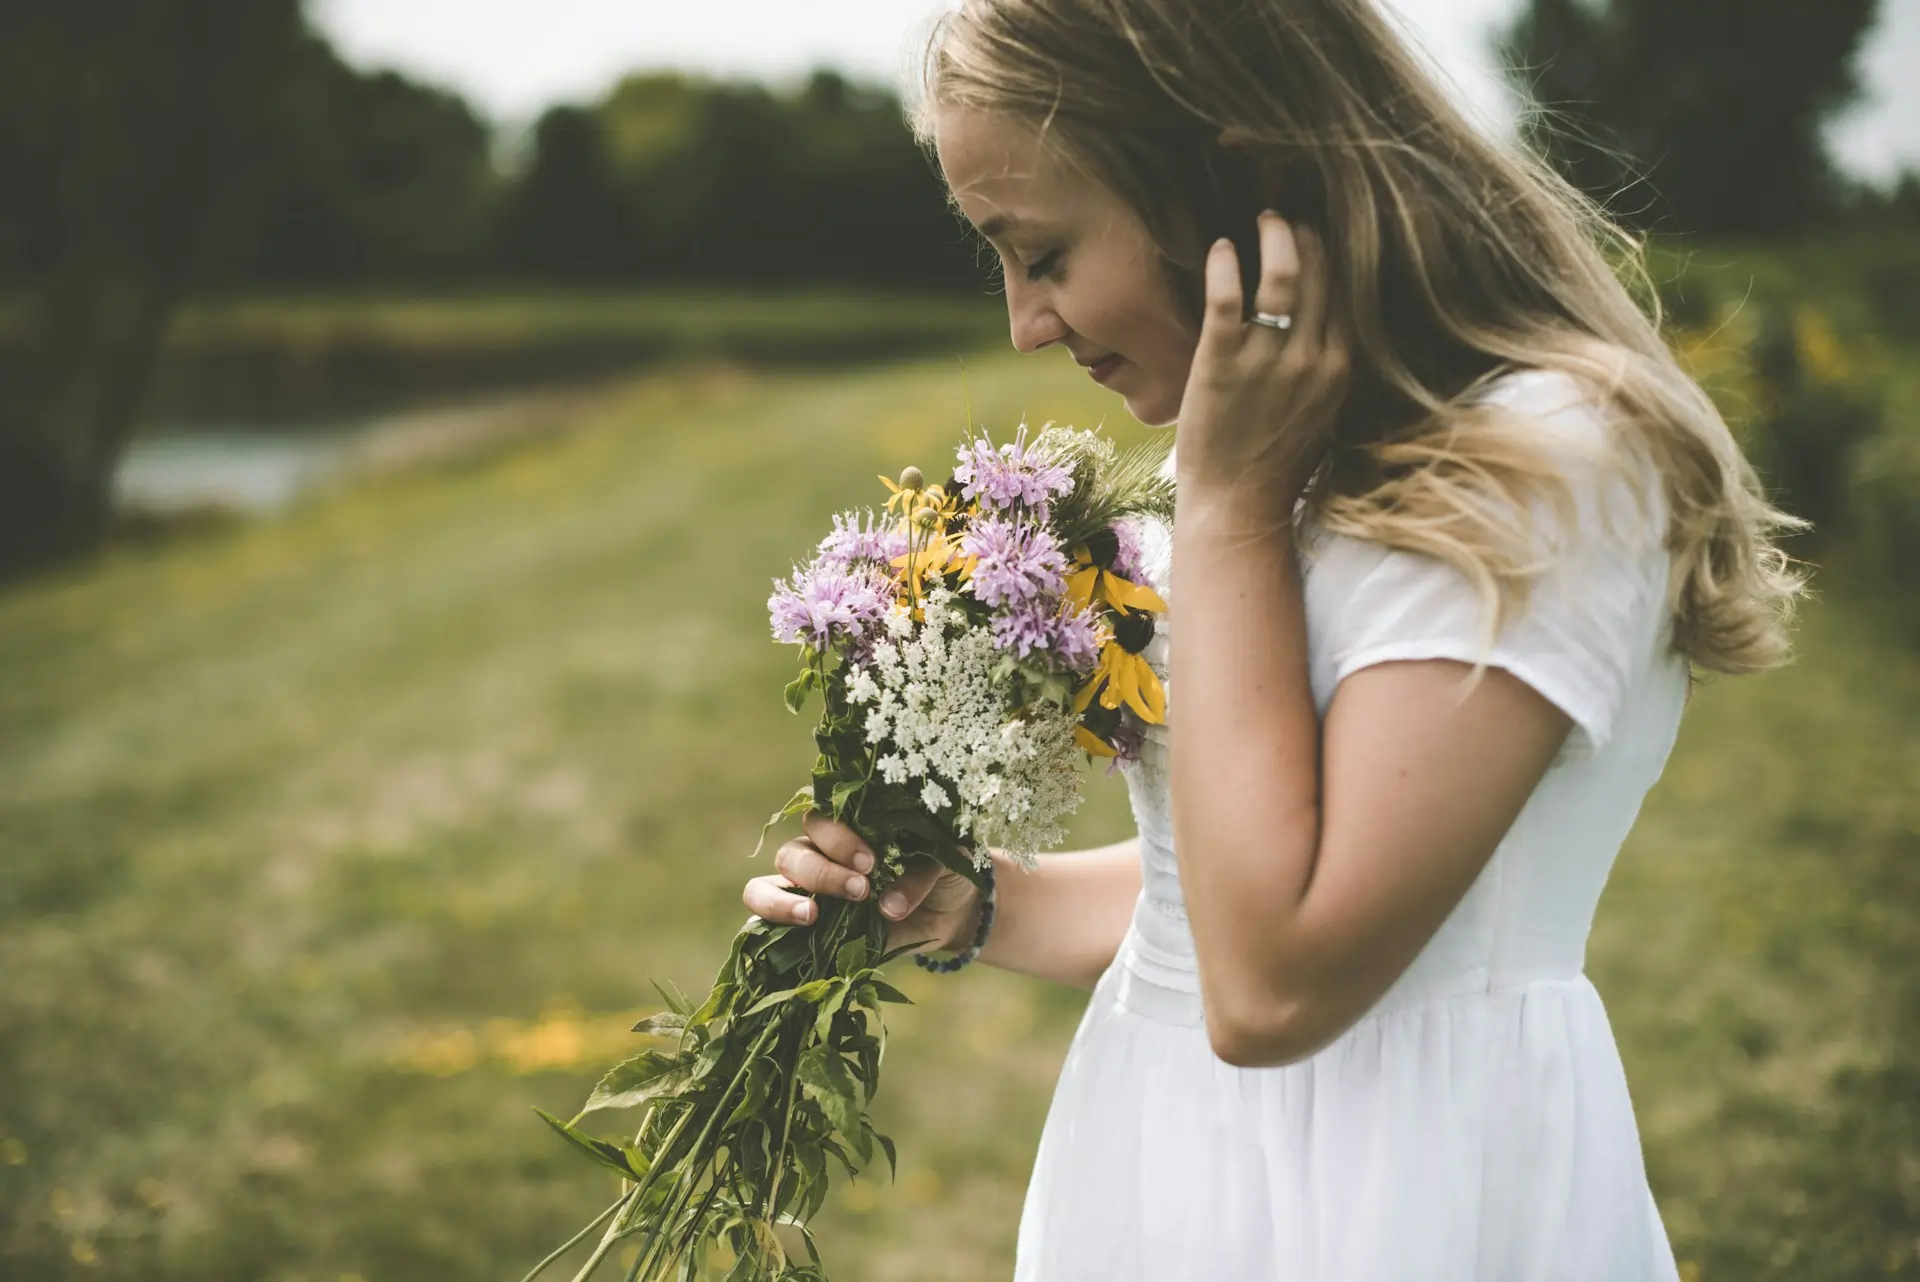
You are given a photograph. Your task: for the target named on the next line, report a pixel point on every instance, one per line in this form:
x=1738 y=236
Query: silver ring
x=1272 y=320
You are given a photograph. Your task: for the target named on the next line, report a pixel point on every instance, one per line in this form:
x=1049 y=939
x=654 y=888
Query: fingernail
x=1222 y=241
x=893 y=904
x=856 y=887
x=1269 y=213
x=804 y=912
x=864 y=861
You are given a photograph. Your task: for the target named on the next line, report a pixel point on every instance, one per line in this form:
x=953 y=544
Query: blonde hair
x=1456 y=259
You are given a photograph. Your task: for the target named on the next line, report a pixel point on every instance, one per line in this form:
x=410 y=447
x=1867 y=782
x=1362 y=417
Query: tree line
x=194 y=144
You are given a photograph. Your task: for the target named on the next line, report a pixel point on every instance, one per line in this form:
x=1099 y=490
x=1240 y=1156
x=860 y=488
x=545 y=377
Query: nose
x=1031 y=319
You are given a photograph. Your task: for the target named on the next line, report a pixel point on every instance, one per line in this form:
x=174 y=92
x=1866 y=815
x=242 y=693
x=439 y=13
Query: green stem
x=693 y=1159
x=772 y=1207
x=579 y=1237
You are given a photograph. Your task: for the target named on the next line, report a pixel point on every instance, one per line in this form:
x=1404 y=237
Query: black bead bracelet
x=972 y=950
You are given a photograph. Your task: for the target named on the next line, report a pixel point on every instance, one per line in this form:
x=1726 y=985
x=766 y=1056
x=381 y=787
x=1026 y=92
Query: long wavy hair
x=1456 y=258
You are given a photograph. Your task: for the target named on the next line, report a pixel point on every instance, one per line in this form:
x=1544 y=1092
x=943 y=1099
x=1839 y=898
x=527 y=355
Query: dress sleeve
x=1592 y=619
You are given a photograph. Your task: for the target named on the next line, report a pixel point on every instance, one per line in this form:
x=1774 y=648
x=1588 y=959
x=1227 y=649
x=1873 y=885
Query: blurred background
x=404 y=405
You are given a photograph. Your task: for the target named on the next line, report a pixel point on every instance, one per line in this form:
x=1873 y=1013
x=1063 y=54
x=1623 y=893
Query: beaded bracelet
x=955 y=962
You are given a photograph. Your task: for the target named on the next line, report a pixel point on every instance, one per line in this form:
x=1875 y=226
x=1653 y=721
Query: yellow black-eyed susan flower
x=1094 y=583
x=1123 y=675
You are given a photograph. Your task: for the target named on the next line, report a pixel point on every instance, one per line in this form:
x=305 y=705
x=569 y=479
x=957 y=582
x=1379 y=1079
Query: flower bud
x=935 y=495
x=912 y=479
x=926 y=518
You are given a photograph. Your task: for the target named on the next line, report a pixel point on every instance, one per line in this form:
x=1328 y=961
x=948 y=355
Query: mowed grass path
x=329 y=845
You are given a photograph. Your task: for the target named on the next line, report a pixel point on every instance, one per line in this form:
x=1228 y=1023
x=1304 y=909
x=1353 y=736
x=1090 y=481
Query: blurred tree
x=673 y=178
x=381 y=178
x=133 y=137
x=565 y=218
x=1717 y=104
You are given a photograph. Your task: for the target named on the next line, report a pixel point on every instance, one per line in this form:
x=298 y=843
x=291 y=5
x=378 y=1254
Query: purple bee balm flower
x=854 y=540
x=1074 y=638
x=1012 y=475
x=1130 y=561
x=1017 y=562
x=1078 y=638
x=826 y=604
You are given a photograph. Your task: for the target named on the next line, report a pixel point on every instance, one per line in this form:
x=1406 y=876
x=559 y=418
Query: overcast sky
x=514 y=58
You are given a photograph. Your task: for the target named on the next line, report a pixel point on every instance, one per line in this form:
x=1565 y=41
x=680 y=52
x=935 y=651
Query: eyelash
x=1043 y=265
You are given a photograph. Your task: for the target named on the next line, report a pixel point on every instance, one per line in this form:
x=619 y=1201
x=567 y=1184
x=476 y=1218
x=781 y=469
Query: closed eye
x=1042 y=266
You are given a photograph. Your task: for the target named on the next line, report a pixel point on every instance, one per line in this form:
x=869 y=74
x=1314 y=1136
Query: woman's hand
x=926 y=902
x=1260 y=402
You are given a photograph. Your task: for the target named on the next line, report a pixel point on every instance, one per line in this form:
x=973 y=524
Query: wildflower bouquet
x=969 y=643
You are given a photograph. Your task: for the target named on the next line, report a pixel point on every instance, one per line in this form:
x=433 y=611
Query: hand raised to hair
x=1260 y=402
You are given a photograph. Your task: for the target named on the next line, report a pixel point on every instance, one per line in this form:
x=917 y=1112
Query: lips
x=1102 y=369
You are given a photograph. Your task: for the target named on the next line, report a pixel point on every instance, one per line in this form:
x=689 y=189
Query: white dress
x=1475 y=1125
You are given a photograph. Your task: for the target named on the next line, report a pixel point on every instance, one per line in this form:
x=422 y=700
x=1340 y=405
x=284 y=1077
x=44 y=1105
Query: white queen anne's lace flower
x=939 y=718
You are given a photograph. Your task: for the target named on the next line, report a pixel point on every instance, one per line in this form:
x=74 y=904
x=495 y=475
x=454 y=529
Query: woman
x=1453 y=529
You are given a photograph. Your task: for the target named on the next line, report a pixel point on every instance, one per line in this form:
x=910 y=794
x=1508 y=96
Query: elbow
x=1269 y=1040
x=1274 y=1036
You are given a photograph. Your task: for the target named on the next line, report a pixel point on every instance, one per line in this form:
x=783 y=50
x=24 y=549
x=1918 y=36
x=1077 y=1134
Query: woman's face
x=1081 y=270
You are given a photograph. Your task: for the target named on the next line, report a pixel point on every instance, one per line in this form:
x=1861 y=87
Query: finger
x=773 y=899
x=1224 y=306
x=801 y=861
x=837 y=841
x=1280 y=268
x=909 y=889
x=1311 y=318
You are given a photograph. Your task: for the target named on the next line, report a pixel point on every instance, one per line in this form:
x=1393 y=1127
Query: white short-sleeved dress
x=1475 y=1125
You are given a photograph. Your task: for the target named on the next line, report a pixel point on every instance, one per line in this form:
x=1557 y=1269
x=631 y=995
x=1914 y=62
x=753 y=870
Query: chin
x=1153 y=411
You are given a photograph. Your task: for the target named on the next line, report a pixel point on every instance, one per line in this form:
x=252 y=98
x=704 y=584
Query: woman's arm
x=1064 y=920
x=1317 y=862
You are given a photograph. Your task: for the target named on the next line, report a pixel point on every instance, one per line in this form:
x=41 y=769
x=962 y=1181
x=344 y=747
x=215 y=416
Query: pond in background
x=180 y=468
x=169 y=469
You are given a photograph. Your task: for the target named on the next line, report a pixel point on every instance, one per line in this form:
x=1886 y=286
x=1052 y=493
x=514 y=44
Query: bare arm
x=1316 y=860
x=1064 y=920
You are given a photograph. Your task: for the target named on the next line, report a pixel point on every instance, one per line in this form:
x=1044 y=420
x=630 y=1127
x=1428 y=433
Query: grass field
x=329 y=845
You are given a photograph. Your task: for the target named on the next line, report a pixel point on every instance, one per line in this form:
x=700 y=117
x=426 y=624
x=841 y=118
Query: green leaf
x=809 y=993
x=797 y=690
x=812 y=1159
x=611 y=1156
x=677 y=1001
x=825 y=1080
x=638 y=1080
x=907 y=947
x=886 y=1146
x=888 y=993
x=794 y=945
x=799 y=801
x=863 y=1143
x=662 y=1024
x=852 y=957
x=823 y=1022
x=718 y=1002
x=845 y=792
x=754 y=1098
x=845 y=1159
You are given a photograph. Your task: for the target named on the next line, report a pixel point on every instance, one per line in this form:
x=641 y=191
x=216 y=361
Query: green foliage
x=131 y=149
x=1705 y=114
x=680 y=178
x=771 y=1075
